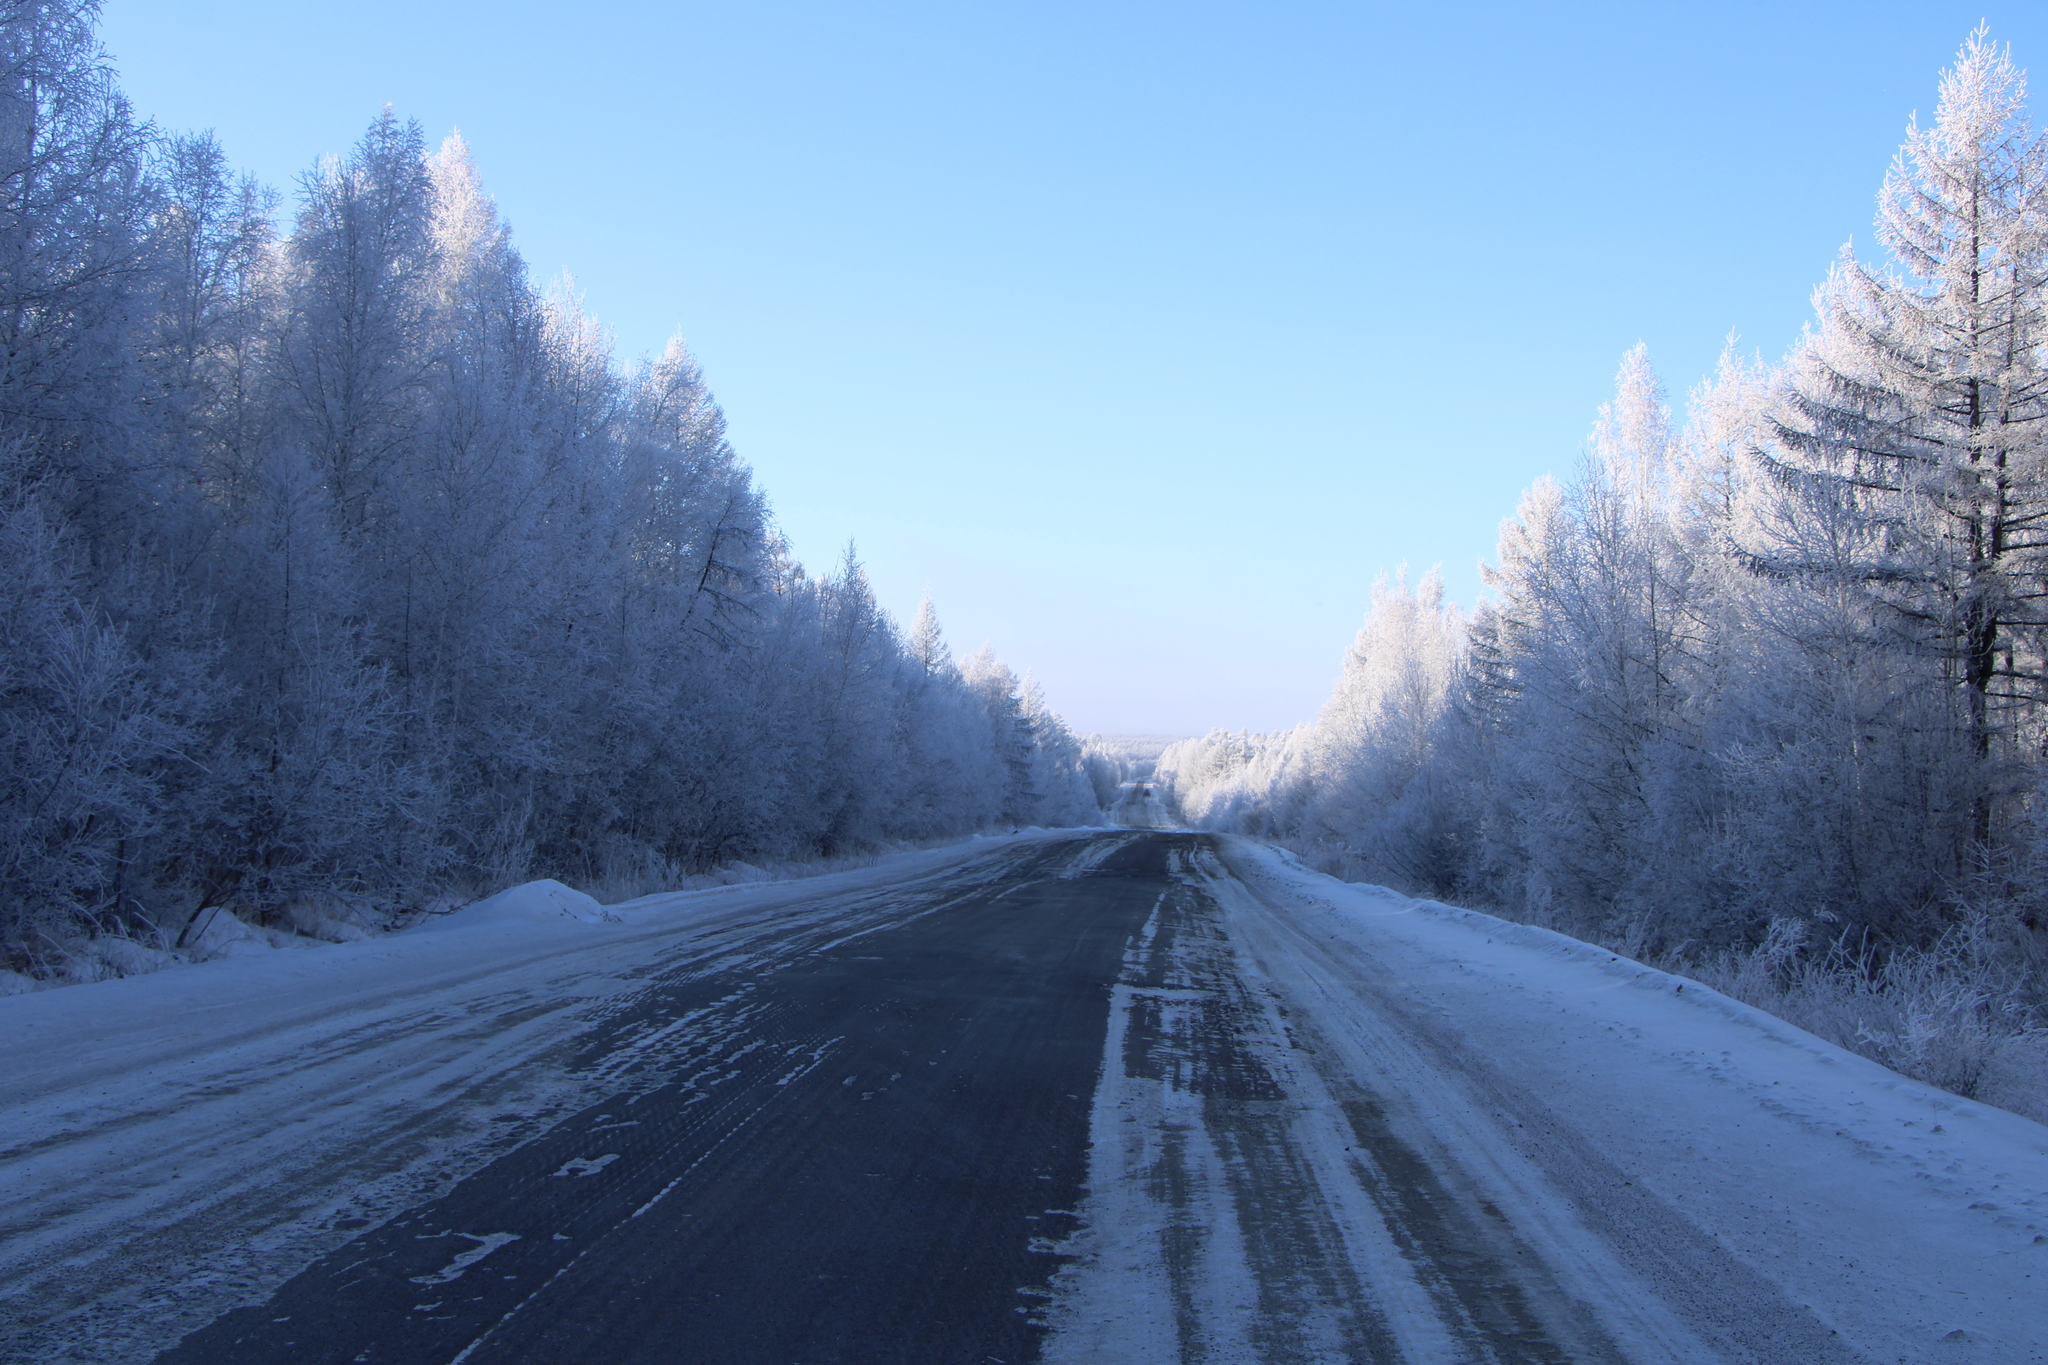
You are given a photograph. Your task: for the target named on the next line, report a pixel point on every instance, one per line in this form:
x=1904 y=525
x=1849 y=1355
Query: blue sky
x=1144 y=335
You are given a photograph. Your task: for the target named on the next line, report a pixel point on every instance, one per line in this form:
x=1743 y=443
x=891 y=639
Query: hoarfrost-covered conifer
x=1916 y=413
x=927 y=642
x=1374 y=761
x=353 y=363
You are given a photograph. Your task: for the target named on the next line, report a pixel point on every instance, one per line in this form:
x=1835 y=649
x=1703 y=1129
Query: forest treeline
x=1759 y=693
x=337 y=560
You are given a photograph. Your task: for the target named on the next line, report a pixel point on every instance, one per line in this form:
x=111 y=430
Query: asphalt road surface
x=1128 y=1097
x=856 y=1150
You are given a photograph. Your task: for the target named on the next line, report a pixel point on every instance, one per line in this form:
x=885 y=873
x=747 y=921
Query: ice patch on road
x=1092 y=857
x=486 y=1243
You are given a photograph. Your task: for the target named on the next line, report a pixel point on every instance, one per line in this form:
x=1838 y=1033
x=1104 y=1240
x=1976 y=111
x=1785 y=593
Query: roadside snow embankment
x=1669 y=1126
x=546 y=901
x=217 y=932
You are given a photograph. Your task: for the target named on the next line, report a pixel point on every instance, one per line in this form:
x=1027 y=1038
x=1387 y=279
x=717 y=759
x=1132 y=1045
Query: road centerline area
x=858 y=1149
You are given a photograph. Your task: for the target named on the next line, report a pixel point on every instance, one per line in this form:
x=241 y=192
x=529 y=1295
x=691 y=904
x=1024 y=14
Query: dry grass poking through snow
x=1966 y=1014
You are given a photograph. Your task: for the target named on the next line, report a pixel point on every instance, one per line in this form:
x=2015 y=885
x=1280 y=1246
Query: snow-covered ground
x=1626 y=1165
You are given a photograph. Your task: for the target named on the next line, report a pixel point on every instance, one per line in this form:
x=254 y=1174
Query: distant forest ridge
x=1132 y=748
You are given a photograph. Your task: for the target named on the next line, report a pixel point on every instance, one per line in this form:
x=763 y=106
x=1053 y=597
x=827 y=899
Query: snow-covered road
x=1339 y=1124
x=1117 y=1097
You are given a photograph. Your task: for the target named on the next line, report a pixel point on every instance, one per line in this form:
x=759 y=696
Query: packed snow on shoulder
x=546 y=901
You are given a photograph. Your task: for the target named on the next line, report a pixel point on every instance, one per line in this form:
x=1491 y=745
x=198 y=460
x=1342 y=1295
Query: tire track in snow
x=1527 y=1230
x=1263 y=1191
x=1216 y=1228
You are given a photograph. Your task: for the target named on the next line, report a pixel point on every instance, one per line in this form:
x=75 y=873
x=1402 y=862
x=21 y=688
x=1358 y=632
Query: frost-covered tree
x=1582 y=666
x=343 y=563
x=74 y=208
x=1058 y=767
x=1374 y=757
x=1915 y=415
x=89 y=734
x=927 y=642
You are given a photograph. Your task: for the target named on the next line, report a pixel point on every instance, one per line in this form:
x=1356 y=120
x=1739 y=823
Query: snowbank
x=546 y=901
x=217 y=933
